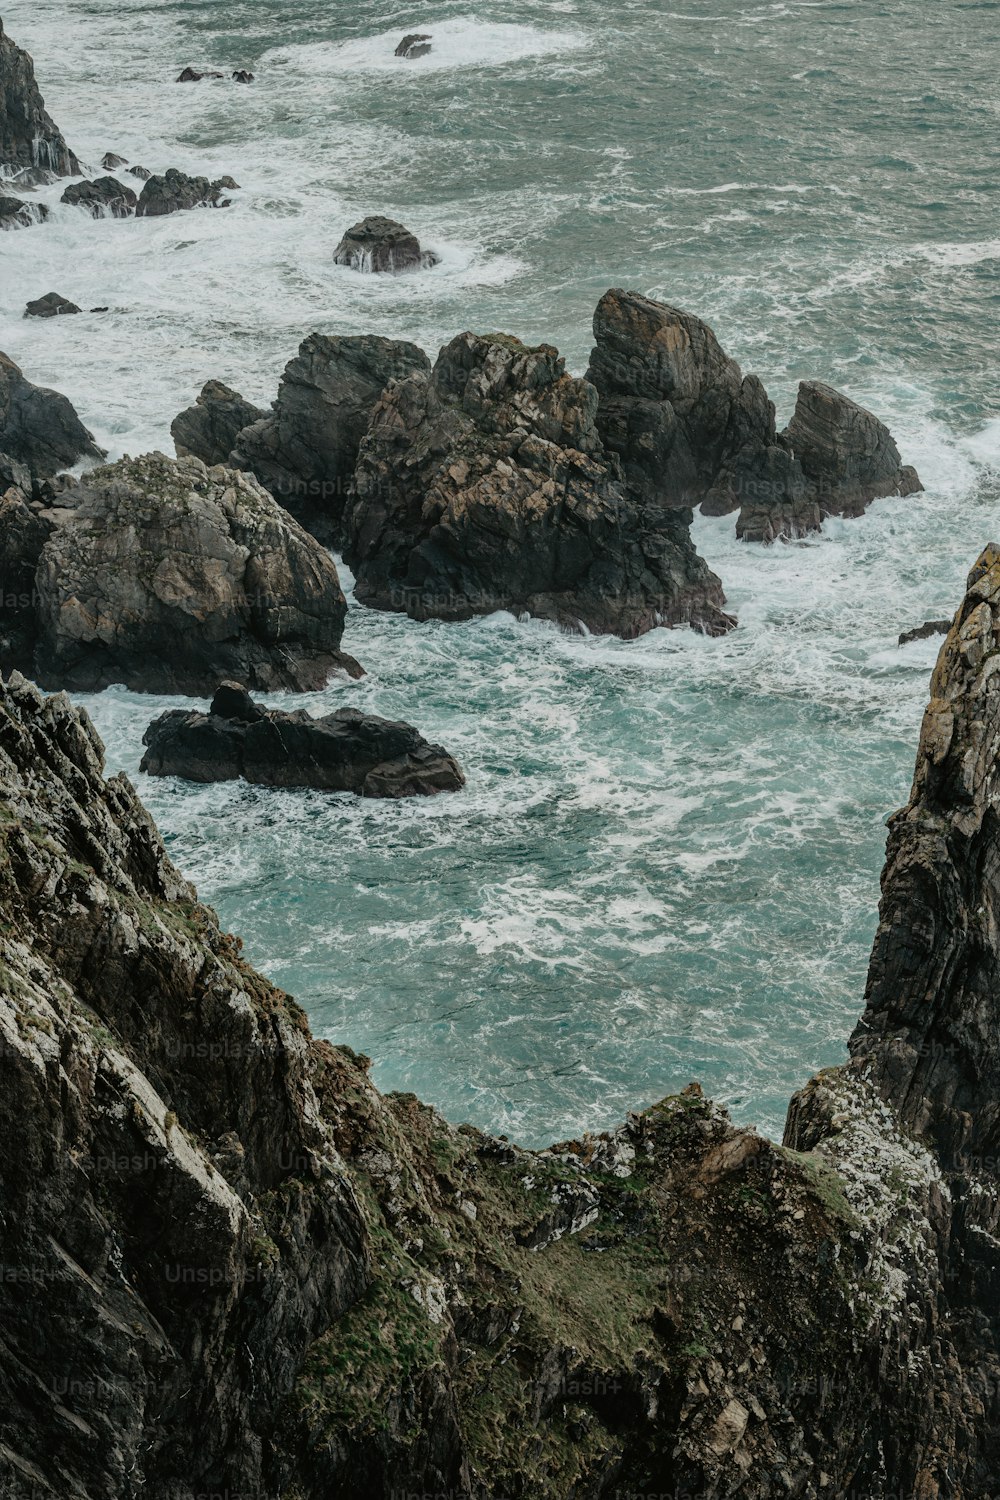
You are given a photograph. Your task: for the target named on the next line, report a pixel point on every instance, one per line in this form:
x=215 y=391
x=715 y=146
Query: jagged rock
x=174 y=191
x=30 y=141
x=229 y=183
x=14 y=475
x=16 y=214
x=305 y=453
x=50 y=306
x=848 y=455
x=105 y=195
x=191 y=75
x=209 y=429
x=416 y=44
x=485 y=486
x=167 y=576
x=346 y=751
x=23 y=534
x=243 y=75
x=39 y=427
x=110 y=162
x=925 y=631
x=143 y=173
x=378 y=244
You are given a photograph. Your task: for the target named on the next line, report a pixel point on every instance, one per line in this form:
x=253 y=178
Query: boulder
x=209 y=429
x=346 y=751
x=485 y=486
x=923 y=632
x=229 y=183
x=143 y=173
x=38 y=427
x=848 y=455
x=306 y=451
x=50 y=306
x=103 y=197
x=174 y=191
x=16 y=214
x=417 y=44
x=110 y=162
x=191 y=75
x=381 y=245
x=30 y=141
x=243 y=75
x=168 y=576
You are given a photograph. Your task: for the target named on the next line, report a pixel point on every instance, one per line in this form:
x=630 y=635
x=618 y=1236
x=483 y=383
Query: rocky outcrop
x=15 y=213
x=243 y=75
x=848 y=456
x=174 y=192
x=111 y=162
x=169 y=576
x=416 y=44
x=485 y=485
x=31 y=144
x=346 y=751
x=105 y=197
x=143 y=173
x=377 y=244
x=305 y=453
x=52 y=305
x=192 y=75
x=209 y=429
x=925 y=631
x=38 y=427
x=231 y=1266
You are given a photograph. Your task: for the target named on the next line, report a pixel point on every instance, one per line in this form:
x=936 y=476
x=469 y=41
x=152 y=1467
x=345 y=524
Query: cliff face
x=228 y=1265
x=30 y=140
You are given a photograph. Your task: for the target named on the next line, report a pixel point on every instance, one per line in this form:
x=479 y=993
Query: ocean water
x=666 y=863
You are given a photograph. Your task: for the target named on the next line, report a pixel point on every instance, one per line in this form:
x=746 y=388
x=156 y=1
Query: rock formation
x=103 y=197
x=381 y=245
x=485 y=485
x=346 y=751
x=416 y=44
x=52 y=305
x=143 y=173
x=175 y=191
x=38 y=427
x=305 y=452
x=209 y=429
x=168 y=576
x=925 y=631
x=192 y=75
x=15 y=213
x=111 y=162
x=31 y=145
x=232 y=1266
x=243 y=75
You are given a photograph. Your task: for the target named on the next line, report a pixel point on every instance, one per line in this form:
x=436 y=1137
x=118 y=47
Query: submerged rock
x=416 y=44
x=381 y=245
x=30 y=141
x=925 y=631
x=305 y=453
x=38 y=427
x=143 y=173
x=16 y=214
x=209 y=429
x=485 y=486
x=52 y=305
x=346 y=751
x=192 y=75
x=175 y=191
x=243 y=75
x=167 y=576
x=105 y=195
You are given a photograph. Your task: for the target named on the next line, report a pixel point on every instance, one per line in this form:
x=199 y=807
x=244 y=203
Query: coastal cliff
x=231 y=1266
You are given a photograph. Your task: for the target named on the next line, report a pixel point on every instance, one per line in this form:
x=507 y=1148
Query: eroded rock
x=174 y=192
x=31 y=144
x=52 y=305
x=104 y=197
x=416 y=44
x=15 y=213
x=209 y=429
x=381 y=245
x=38 y=427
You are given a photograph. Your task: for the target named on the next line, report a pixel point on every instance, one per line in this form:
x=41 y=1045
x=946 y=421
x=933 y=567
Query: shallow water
x=666 y=862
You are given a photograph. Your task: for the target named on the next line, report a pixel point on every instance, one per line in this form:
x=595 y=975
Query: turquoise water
x=666 y=862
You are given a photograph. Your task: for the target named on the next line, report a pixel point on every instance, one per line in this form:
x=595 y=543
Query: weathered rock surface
x=30 y=141
x=209 y=429
x=103 y=197
x=232 y=1266
x=925 y=631
x=111 y=162
x=168 y=576
x=143 y=173
x=305 y=453
x=175 y=191
x=52 y=305
x=485 y=486
x=416 y=44
x=346 y=751
x=38 y=427
x=378 y=244
x=23 y=534
x=15 y=213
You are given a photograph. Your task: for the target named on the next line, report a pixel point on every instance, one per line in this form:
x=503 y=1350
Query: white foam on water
x=461 y=42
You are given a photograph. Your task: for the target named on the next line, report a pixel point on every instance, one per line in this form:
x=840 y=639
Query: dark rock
x=104 y=196
x=345 y=751
x=50 y=306
x=417 y=44
x=110 y=162
x=39 y=427
x=168 y=576
x=14 y=474
x=209 y=429
x=306 y=452
x=381 y=245
x=16 y=214
x=23 y=534
x=191 y=75
x=30 y=141
x=143 y=173
x=848 y=455
x=485 y=486
x=243 y=75
x=175 y=191
x=100 y=309
x=925 y=631
x=228 y=183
